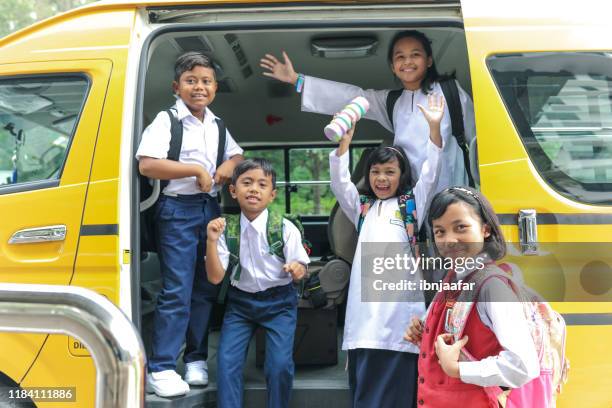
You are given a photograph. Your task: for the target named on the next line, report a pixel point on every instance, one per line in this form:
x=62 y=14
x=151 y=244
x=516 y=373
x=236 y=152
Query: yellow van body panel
x=511 y=182
x=75 y=371
x=95 y=44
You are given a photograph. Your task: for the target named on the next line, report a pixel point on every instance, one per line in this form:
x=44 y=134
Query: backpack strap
x=176 y=141
x=457 y=315
x=451 y=94
x=295 y=220
x=407 y=207
x=222 y=141
x=274 y=231
x=392 y=98
x=232 y=239
x=366 y=203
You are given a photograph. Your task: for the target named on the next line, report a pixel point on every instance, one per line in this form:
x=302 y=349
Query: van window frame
x=532 y=146
x=49 y=183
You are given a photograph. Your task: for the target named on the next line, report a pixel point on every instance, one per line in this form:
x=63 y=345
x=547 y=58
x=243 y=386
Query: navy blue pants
x=382 y=378
x=275 y=310
x=184 y=305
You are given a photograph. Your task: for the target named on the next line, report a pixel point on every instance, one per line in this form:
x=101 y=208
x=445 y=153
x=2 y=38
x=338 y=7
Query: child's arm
x=518 y=362
x=341 y=185
x=324 y=96
x=223 y=174
x=431 y=167
x=164 y=169
x=217 y=255
x=295 y=254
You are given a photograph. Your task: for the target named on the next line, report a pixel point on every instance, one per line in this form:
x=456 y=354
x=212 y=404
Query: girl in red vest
x=497 y=348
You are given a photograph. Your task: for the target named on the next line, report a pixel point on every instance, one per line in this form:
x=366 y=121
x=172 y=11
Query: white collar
x=182 y=111
x=259 y=223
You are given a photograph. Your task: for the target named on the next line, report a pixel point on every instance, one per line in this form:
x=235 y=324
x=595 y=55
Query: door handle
x=528 y=231
x=39 y=234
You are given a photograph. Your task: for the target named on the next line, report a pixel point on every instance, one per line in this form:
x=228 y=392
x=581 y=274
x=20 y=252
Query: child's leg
x=382 y=378
x=178 y=222
x=203 y=297
x=279 y=323
x=236 y=332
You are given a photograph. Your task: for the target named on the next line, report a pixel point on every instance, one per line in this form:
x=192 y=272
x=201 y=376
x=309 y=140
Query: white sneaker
x=196 y=373
x=166 y=384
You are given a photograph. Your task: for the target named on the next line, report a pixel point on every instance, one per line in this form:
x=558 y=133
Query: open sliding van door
x=541 y=78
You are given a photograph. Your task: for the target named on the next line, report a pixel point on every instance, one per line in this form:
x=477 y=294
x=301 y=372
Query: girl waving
x=411 y=61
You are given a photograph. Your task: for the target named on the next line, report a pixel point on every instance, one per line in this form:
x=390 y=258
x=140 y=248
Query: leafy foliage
x=17 y=14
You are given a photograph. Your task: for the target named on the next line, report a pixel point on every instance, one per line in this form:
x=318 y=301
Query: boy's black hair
x=189 y=60
x=385 y=154
x=252 y=164
x=432 y=74
x=495 y=245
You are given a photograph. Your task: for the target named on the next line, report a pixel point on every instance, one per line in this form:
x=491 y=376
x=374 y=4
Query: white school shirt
x=518 y=362
x=379 y=325
x=200 y=145
x=260 y=269
x=410 y=128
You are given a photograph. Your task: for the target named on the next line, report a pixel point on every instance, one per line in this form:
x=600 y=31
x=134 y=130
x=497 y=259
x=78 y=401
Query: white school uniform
x=411 y=130
x=379 y=325
x=518 y=362
x=262 y=270
x=200 y=145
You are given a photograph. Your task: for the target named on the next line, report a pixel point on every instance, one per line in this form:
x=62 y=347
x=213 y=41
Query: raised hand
x=215 y=228
x=283 y=71
x=435 y=109
x=345 y=141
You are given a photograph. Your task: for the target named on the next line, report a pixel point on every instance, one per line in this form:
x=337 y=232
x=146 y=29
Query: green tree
x=17 y=14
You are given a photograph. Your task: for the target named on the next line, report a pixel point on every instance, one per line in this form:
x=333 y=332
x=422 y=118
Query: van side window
x=302 y=177
x=38 y=118
x=561 y=104
x=310 y=181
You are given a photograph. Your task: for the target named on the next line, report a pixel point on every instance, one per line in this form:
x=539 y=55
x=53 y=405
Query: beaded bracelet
x=299 y=84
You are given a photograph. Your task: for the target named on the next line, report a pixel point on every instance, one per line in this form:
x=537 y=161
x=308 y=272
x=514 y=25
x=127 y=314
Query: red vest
x=435 y=388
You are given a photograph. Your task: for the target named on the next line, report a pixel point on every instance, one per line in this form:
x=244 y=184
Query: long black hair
x=385 y=154
x=495 y=245
x=432 y=74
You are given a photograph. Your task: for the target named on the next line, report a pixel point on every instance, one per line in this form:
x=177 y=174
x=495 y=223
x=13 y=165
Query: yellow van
x=77 y=90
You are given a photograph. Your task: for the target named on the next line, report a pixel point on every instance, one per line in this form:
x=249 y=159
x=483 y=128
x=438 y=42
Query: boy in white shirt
x=188 y=201
x=262 y=293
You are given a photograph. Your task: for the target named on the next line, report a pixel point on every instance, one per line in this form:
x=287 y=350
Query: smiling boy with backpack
x=262 y=291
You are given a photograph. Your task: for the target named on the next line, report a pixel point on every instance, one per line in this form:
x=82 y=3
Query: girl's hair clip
x=394 y=149
x=464 y=190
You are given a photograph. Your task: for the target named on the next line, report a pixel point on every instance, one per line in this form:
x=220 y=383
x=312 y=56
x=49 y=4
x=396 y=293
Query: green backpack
x=276 y=242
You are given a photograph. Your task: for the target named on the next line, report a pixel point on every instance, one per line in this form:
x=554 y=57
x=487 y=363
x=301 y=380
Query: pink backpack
x=547 y=329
